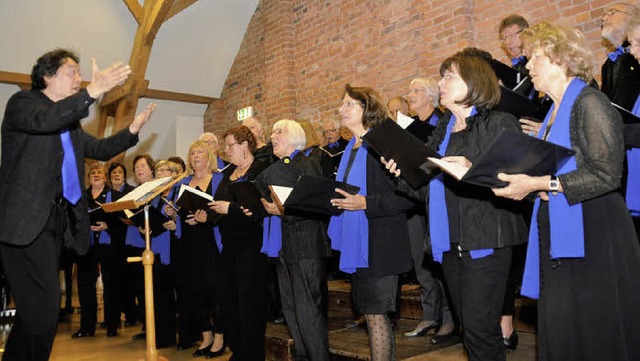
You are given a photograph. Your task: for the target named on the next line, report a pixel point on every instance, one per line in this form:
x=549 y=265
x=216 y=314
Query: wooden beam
x=19 y=79
x=154 y=16
x=119 y=92
x=135 y=9
x=178 y=6
x=178 y=97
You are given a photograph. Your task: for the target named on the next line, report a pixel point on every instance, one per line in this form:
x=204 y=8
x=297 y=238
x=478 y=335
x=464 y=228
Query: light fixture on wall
x=244 y=113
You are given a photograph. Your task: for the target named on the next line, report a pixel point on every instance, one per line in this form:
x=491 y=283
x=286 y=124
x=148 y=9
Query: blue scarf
x=272 y=225
x=333 y=145
x=220 y=163
x=518 y=60
x=160 y=244
x=105 y=237
x=349 y=232
x=567 y=224
x=632 y=195
x=438 y=216
x=616 y=53
x=433 y=119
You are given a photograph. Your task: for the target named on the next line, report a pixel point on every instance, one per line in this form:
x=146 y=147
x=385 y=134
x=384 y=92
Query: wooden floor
x=345 y=344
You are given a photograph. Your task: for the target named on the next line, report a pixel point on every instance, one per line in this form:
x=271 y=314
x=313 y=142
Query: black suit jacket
x=30 y=172
x=621 y=80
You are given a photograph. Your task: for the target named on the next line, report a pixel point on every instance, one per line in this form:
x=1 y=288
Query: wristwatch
x=554 y=184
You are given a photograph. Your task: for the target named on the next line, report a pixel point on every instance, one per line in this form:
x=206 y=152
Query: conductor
x=43 y=206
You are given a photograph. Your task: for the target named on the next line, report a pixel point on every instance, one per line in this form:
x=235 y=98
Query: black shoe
x=202 y=351
x=82 y=333
x=139 y=336
x=422 y=329
x=212 y=354
x=446 y=338
x=511 y=342
x=128 y=323
x=112 y=332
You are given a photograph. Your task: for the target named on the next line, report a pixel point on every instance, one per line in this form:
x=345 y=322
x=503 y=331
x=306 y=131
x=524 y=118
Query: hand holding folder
x=190 y=200
x=156 y=220
x=510 y=153
x=310 y=195
x=390 y=141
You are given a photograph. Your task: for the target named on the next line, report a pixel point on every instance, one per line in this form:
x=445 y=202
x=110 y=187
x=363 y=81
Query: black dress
x=243 y=271
x=588 y=307
x=196 y=281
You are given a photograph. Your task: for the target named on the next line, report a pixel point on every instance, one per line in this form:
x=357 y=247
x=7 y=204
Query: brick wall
x=297 y=55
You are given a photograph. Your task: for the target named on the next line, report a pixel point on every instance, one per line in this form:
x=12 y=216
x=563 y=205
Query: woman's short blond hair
x=564 y=46
x=213 y=161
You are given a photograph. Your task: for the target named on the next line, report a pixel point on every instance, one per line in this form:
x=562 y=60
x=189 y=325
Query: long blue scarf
x=272 y=225
x=438 y=216
x=349 y=232
x=105 y=237
x=632 y=195
x=567 y=224
x=160 y=244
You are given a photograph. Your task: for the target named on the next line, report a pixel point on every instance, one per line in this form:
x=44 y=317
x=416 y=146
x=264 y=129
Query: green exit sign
x=244 y=113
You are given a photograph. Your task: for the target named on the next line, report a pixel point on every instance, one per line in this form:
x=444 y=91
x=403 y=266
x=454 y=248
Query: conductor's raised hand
x=106 y=79
x=350 y=202
x=141 y=119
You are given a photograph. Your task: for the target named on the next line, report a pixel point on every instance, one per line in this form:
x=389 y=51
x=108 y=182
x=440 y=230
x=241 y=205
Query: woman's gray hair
x=297 y=137
x=430 y=88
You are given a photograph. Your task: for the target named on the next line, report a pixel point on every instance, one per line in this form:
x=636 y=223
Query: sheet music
x=403 y=120
x=184 y=187
x=282 y=192
x=145 y=189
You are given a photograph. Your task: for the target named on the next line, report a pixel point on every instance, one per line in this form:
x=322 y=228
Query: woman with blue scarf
x=472 y=231
x=371 y=234
x=583 y=259
x=299 y=243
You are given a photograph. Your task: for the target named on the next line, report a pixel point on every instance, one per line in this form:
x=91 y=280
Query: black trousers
x=244 y=301
x=477 y=288
x=87 y=277
x=32 y=275
x=303 y=289
x=111 y=278
x=164 y=303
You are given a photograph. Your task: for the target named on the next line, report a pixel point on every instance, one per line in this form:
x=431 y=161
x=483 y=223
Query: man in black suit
x=620 y=71
x=43 y=205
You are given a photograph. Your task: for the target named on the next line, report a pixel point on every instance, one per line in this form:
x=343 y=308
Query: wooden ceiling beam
x=178 y=6
x=178 y=97
x=135 y=9
x=154 y=16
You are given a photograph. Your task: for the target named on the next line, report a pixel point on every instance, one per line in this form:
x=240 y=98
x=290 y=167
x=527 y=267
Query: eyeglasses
x=611 y=12
x=329 y=131
x=504 y=39
x=351 y=104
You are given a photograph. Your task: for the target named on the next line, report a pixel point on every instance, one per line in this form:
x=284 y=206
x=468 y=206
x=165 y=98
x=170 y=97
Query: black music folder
x=510 y=77
x=156 y=220
x=97 y=215
x=311 y=195
x=247 y=195
x=510 y=153
x=631 y=127
x=190 y=200
x=521 y=106
x=392 y=142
